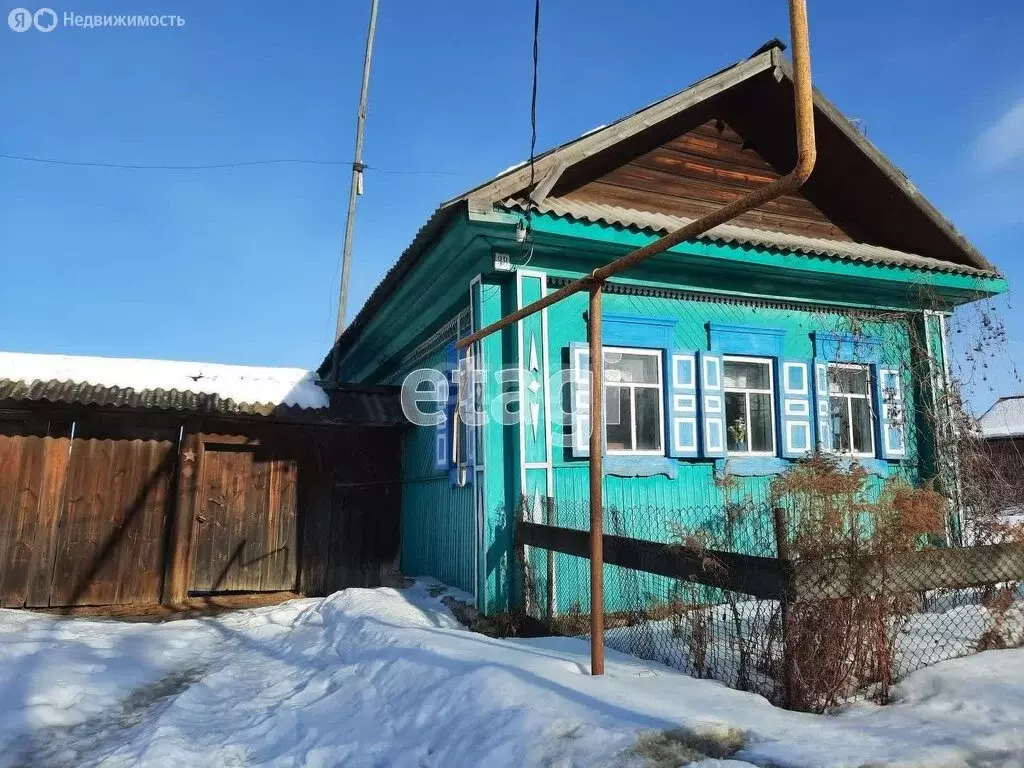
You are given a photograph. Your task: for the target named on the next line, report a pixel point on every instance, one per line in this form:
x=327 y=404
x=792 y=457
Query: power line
x=527 y=242
x=216 y=166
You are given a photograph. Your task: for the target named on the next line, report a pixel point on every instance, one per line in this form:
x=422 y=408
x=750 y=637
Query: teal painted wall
x=438 y=523
x=659 y=507
x=456 y=534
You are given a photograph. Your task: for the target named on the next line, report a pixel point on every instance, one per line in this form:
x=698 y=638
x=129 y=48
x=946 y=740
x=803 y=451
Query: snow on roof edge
x=1004 y=419
x=241 y=383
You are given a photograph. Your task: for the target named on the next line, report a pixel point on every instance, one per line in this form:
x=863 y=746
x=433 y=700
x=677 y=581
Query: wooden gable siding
x=699 y=171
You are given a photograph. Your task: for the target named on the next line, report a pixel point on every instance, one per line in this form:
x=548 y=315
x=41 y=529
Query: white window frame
x=770 y=391
x=848 y=397
x=660 y=387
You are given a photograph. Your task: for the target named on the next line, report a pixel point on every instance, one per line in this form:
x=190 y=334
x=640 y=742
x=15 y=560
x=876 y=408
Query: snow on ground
x=389 y=678
x=241 y=383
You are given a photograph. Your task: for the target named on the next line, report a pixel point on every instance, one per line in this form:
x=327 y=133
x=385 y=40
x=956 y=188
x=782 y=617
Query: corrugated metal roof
x=660 y=223
x=1004 y=419
x=348 y=405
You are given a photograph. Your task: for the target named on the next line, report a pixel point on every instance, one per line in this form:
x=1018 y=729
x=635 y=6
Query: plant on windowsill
x=738 y=433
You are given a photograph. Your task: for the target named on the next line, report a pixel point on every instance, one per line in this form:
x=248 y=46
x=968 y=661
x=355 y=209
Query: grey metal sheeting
x=349 y=404
x=660 y=223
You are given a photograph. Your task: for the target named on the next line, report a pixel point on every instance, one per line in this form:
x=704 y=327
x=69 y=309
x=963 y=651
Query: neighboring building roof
x=767 y=66
x=1004 y=419
x=660 y=223
x=192 y=387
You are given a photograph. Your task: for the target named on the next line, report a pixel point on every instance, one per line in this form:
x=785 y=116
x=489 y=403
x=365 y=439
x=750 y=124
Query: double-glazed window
x=633 y=390
x=749 y=406
x=849 y=398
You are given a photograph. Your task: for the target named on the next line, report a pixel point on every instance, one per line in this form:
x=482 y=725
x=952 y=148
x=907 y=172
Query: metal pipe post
x=596 y=484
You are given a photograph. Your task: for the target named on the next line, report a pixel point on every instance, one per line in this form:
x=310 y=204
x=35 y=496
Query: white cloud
x=1002 y=141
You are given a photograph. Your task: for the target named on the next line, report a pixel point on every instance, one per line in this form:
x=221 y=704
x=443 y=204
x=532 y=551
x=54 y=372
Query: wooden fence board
x=281 y=566
x=21 y=530
x=51 y=502
x=114 y=494
x=955 y=568
x=761 y=577
x=183 y=507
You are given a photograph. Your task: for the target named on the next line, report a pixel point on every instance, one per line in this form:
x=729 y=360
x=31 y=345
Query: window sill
x=639 y=466
x=751 y=466
x=869 y=464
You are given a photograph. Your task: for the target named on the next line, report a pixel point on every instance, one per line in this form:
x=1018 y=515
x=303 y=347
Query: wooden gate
x=245 y=524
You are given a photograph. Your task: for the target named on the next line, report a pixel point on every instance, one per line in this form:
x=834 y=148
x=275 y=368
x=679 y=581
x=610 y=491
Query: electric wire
x=218 y=166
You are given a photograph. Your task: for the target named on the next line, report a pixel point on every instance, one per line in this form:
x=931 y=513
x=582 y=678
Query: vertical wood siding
x=33 y=466
x=110 y=536
x=92 y=520
x=437 y=517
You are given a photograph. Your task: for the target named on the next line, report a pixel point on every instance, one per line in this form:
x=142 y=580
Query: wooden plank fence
x=762 y=577
x=799 y=579
x=123 y=509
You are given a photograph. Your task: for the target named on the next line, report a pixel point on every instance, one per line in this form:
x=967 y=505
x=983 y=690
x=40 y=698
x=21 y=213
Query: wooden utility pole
x=356 y=188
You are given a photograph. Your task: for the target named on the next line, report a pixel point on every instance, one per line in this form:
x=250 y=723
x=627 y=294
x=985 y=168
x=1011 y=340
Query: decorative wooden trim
x=716 y=298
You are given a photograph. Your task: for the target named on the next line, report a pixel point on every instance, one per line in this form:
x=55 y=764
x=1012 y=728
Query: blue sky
x=241 y=265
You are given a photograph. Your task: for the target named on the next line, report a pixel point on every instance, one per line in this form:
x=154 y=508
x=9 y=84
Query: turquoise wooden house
x=816 y=322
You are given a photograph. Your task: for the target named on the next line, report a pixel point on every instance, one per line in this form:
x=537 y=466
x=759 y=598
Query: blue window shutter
x=712 y=405
x=579 y=366
x=682 y=405
x=442 y=452
x=822 y=410
x=889 y=407
x=796 y=418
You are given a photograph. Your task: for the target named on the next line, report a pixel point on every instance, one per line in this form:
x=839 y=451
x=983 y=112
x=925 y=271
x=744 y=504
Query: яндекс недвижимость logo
x=22 y=19
x=46 y=20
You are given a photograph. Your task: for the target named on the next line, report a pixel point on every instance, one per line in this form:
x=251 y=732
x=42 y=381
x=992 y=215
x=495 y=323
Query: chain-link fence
x=857 y=595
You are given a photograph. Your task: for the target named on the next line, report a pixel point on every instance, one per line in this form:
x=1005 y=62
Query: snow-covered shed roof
x=242 y=384
x=1004 y=419
x=208 y=388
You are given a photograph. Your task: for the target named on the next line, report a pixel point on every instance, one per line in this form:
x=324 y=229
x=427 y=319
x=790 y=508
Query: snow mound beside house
x=387 y=677
x=241 y=383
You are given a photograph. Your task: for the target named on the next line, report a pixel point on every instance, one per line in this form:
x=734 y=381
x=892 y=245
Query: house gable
x=688 y=154
x=858 y=194
x=698 y=171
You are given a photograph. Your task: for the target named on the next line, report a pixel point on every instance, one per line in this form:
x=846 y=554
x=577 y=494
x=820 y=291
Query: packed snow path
x=388 y=678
